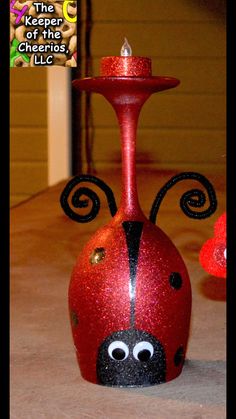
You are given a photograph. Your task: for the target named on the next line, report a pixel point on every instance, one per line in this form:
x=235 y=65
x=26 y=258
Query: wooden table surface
x=45 y=378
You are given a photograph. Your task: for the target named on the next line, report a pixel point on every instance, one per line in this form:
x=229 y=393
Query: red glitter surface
x=160 y=309
x=126 y=66
x=99 y=294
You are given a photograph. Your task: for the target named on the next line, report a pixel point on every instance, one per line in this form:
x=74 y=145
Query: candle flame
x=126 y=50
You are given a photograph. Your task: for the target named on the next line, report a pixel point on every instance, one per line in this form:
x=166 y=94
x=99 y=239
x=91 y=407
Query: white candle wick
x=126 y=50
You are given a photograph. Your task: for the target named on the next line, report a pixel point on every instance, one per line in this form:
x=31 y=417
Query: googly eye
x=118 y=350
x=143 y=351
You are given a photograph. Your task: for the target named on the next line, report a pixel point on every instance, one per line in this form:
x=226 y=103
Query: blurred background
x=55 y=134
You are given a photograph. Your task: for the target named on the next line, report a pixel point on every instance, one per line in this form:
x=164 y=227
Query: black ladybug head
x=131 y=358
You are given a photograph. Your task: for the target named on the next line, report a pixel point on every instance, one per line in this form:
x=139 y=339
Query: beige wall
x=40 y=129
x=28 y=133
x=183 y=128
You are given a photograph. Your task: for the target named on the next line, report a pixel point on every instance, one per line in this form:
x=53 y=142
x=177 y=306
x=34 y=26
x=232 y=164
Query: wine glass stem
x=128 y=120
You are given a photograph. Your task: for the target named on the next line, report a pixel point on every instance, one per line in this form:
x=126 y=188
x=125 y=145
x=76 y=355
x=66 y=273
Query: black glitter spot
x=179 y=356
x=175 y=280
x=74 y=318
x=129 y=372
x=118 y=354
x=144 y=355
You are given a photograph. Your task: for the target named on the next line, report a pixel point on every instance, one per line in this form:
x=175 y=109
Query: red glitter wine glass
x=130 y=294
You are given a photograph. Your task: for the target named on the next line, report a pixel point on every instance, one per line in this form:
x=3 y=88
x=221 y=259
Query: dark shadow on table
x=201 y=381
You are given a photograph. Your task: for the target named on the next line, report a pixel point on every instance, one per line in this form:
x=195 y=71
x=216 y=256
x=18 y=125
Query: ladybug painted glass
x=130 y=293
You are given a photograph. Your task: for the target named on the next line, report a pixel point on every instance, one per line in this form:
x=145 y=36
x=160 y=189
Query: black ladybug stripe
x=133 y=231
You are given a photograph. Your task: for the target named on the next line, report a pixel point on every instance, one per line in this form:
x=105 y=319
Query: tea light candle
x=125 y=65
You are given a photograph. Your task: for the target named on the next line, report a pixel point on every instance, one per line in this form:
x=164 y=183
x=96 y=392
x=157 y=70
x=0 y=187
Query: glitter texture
x=100 y=295
x=128 y=297
x=125 y=67
x=131 y=371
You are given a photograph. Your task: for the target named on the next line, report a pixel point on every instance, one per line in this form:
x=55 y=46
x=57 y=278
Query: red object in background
x=213 y=253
